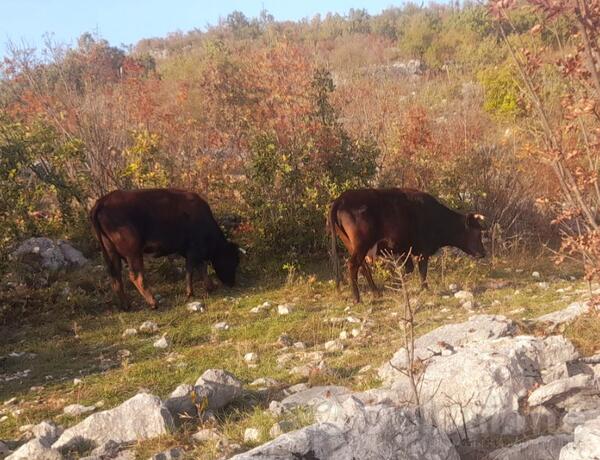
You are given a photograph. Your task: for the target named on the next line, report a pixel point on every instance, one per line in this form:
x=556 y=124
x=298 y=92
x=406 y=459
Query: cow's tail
x=332 y=223
x=99 y=233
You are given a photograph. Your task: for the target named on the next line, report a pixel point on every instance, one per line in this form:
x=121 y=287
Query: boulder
x=35 y=449
x=47 y=432
x=313 y=397
x=542 y=448
x=573 y=419
x=364 y=432
x=586 y=442
x=218 y=388
x=479 y=388
x=566 y=315
x=559 y=388
x=142 y=417
x=477 y=328
x=180 y=403
x=46 y=254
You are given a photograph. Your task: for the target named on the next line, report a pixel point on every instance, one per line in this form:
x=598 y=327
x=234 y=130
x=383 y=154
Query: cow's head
x=473 y=244
x=226 y=263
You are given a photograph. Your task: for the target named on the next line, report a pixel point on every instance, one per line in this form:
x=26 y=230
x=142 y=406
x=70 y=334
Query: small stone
x=4 y=418
x=300 y=345
x=195 y=307
x=265 y=382
x=334 y=346
x=251 y=435
x=297 y=388
x=467 y=305
x=161 y=343
x=276 y=408
x=37 y=388
x=464 y=295
x=536 y=275
x=284 y=309
x=206 y=434
x=221 y=326
x=251 y=358
x=149 y=327
x=280 y=428
x=543 y=284
x=11 y=401
x=130 y=332
x=453 y=287
x=122 y=354
x=76 y=410
x=343 y=335
x=495 y=303
x=353 y=320
x=365 y=369
x=355 y=332
x=77 y=381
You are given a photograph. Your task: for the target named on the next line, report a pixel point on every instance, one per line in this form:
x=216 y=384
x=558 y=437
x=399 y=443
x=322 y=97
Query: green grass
x=74 y=331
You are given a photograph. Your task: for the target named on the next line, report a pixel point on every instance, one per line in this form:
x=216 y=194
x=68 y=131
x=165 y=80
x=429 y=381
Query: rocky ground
x=291 y=369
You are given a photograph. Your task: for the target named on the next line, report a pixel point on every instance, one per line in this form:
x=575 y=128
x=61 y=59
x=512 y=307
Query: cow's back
x=163 y=220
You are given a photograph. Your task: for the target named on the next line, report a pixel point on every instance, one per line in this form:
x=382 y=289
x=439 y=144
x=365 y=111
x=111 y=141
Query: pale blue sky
x=127 y=21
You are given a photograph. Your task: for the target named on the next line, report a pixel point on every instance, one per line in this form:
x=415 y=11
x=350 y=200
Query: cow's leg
x=113 y=262
x=423 y=261
x=136 y=275
x=354 y=263
x=208 y=284
x=366 y=271
x=189 y=277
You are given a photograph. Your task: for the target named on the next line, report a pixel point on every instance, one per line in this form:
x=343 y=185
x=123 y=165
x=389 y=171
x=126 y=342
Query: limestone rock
x=77 y=410
x=546 y=393
x=366 y=433
x=35 y=449
x=251 y=435
x=218 y=387
x=586 y=442
x=142 y=417
x=542 y=448
x=312 y=397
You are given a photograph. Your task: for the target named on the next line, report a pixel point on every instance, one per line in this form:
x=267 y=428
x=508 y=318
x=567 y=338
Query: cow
x=129 y=224
x=405 y=222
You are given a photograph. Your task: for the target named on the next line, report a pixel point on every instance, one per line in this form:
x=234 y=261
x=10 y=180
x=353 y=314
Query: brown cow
x=129 y=224
x=405 y=222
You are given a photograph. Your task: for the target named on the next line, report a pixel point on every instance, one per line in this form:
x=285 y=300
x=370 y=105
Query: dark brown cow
x=403 y=221
x=129 y=224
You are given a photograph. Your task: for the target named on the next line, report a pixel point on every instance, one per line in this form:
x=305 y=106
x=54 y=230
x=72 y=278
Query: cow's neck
x=454 y=233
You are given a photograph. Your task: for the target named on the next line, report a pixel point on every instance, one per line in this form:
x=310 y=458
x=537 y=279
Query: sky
x=26 y=22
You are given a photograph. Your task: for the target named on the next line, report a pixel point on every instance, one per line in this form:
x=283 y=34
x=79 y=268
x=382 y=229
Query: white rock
x=218 y=388
x=543 y=285
x=542 y=448
x=221 y=326
x=558 y=388
x=343 y=335
x=453 y=287
x=586 y=443
x=464 y=295
x=47 y=432
x=130 y=332
x=142 y=417
x=284 y=309
x=206 y=434
x=195 y=307
x=312 y=397
x=251 y=435
x=468 y=305
x=251 y=358
x=355 y=332
x=76 y=410
x=334 y=346
x=149 y=327
x=161 y=343
x=46 y=254
x=300 y=345
x=35 y=449
x=483 y=381
x=536 y=275
x=478 y=328
x=77 y=382
x=353 y=320
x=567 y=315
x=363 y=432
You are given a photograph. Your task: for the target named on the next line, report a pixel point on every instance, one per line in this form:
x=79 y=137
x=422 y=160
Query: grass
x=71 y=330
